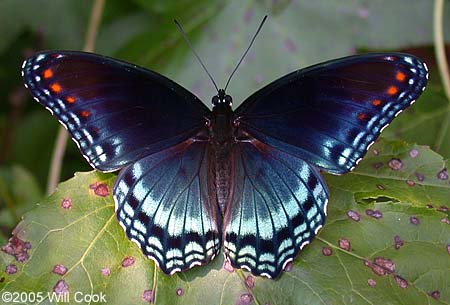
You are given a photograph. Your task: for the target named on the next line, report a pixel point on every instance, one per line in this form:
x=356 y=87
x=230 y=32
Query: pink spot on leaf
x=419 y=177
x=106 y=271
x=66 y=203
x=11 y=269
x=413 y=153
x=381 y=266
x=180 y=292
x=17 y=248
x=250 y=281
x=327 y=251
x=442 y=175
x=401 y=282
x=410 y=183
x=148 y=296
x=395 y=164
x=100 y=189
x=436 y=294
x=344 y=244
x=128 y=261
x=246 y=299
x=353 y=215
x=374 y=213
x=61 y=287
x=59 y=269
x=398 y=242
x=414 y=220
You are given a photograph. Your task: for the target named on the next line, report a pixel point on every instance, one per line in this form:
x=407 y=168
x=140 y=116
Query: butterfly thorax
x=221 y=135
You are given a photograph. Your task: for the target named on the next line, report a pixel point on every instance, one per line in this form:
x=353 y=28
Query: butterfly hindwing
x=116 y=112
x=279 y=204
x=329 y=114
x=162 y=203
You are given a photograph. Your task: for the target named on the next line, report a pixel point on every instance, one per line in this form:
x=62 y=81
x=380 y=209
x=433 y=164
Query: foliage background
x=297 y=34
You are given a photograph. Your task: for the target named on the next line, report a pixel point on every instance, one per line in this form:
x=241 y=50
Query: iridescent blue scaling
x=194 y=181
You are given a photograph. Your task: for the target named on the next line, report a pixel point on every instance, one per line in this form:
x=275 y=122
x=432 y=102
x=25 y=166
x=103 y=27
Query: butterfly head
x=222 y=98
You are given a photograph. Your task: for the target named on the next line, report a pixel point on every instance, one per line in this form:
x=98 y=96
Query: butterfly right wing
x=163 y=205
x=329 y=114
x=279 y=204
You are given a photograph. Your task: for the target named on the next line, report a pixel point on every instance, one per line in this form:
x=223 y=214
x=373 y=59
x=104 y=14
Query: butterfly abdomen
x=221 y=141
x=222 y=180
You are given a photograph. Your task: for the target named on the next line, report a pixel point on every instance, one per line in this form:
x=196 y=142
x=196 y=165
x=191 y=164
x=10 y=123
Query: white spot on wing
x=317 y=229
x=40 y=57
x=408 y=60
x=304 y=244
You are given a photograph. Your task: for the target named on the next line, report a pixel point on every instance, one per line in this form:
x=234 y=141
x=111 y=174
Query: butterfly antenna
x=246 y=51
x=195 y=53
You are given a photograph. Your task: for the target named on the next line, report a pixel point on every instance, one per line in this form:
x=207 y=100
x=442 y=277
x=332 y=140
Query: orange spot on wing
x=47 y=73
x=85 y=113
x=400 y=76
x=376 y=102
x=70 y=99
x=362 y=116
x=56 y=87
x=392 y=90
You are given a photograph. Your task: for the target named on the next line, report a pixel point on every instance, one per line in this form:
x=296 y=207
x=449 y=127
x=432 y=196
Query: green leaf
x=19 y=192
x=86 y=239
x=400 y=172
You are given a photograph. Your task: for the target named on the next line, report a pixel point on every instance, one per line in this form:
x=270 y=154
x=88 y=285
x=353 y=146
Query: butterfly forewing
x=279 y=204
x=116 y=112
x=329 y=114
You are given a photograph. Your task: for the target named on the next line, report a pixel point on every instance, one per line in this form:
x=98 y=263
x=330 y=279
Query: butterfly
x=194 y=181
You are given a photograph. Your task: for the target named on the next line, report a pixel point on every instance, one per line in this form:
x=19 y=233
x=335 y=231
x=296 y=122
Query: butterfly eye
x=228 y=99
x=215 y=100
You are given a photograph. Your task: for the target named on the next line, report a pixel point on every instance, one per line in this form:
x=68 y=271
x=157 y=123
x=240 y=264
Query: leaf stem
x=439 y=46
x=439 y=49
x=61 y=139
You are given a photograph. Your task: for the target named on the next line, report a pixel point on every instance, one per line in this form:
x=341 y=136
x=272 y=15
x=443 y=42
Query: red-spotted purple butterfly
x=192 y=180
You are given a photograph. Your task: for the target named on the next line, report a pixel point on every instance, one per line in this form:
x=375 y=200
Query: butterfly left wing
x=329 y=114
x=116 y=112
x=163 y=205
x=124 y=116
x=278 y=206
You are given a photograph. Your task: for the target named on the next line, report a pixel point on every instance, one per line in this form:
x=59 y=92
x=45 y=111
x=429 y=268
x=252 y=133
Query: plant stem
x=439 y=45
x=94 y=24
x=61 y=139
x=439 y=49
